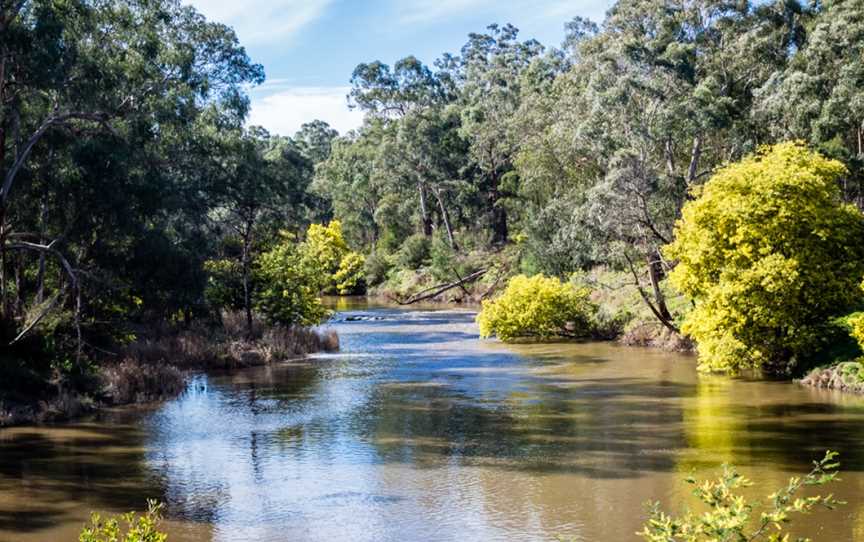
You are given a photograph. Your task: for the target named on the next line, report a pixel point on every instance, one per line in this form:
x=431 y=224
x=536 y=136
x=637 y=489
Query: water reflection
x=420 y=431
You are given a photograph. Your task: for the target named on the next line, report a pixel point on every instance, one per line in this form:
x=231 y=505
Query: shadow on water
x=102 y=465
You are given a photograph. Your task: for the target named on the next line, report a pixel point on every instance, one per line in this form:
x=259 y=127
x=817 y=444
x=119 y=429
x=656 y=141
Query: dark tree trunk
x=247 y=267
x=500 y=231
x=655 y=275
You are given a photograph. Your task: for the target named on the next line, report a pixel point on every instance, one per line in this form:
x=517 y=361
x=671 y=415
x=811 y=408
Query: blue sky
x=310 y=47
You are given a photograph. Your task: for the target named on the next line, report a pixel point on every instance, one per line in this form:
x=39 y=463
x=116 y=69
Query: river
x=420 y=431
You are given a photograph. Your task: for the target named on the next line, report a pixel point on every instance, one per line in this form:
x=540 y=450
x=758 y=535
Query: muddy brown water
x=418 y=430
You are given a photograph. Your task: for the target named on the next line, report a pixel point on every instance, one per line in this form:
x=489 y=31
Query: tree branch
x=24 y=153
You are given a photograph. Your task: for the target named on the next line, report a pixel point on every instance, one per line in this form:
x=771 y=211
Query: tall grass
x=155 y=367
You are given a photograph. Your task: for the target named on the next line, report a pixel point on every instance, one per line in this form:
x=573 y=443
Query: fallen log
x=439 y=289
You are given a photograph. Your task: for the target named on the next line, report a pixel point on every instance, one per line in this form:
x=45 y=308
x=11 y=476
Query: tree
x=315 y=140
x=261 y=185
x=98 y=103
x=349 y=179
x=489 y=76
x=338 y=269
x=649 y=106
x=411 y=85
x=820 y=95
x=289 y=286
x=768 y=253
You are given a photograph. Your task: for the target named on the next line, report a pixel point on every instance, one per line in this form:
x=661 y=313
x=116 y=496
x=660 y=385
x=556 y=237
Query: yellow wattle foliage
x=537 y=307
x=768 y=252
x=326 y=249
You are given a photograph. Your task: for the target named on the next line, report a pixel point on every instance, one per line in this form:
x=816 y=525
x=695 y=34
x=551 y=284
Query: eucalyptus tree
x=428 y=146
x=315 y=140
x=391 y=95
x=651 y=103
x=350 y=180
x=90 y=92
x=820 y=96
x=488 y=75
x=262 y=190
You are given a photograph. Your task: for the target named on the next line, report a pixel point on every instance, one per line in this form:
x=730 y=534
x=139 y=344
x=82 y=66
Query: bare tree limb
x=24 y=153
x=439 y=289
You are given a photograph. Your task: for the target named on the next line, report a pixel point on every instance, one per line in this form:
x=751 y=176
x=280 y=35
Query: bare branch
x=31 y=142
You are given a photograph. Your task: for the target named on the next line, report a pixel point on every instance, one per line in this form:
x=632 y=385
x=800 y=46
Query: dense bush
x=224 y=288
x=856 y=323
x=143 y=528
x=376 y=268
x=325 y=250
x=289 y=286
x=538 y=307
x=415 y=252
x=732 y=518
x=769 y=254
x=350 y=277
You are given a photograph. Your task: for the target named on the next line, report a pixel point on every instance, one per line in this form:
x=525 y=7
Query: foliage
x=224 y=283
x=376 y=268
x=768 y=253
x=350 y=277
x=126 y=161
x=143 y=528
x=415 y=252
x=732 y=518
x=856 y=323
x=326 y=251
x=537 y=307
x=289 y=289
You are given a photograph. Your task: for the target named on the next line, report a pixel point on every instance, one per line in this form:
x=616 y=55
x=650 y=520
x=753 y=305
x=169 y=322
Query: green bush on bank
x=538 y=307
x=415 y=252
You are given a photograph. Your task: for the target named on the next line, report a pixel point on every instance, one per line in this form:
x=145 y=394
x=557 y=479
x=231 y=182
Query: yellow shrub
x=325 y=249
x=349 y=278
x=537 y=307
x=857 y=332
x=768 y=253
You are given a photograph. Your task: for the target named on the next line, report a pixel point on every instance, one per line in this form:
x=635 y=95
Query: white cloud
x=284 y=111
x=424 y=11
x=262 y=21
x=427 y=11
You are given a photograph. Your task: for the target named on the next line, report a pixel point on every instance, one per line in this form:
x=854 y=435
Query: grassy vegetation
x=154 y=367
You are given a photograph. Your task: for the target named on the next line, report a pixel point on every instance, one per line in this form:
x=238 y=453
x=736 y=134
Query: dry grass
x=154 y=368
x=285 y=342
x=132 y=381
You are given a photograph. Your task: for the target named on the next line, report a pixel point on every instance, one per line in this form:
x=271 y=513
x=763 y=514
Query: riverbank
x=622 y=317
x=157 y=368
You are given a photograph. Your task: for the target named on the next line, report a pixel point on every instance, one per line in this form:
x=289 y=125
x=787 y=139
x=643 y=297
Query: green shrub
x=538 y=307
x=415 y=252
x=732 y=518
x=144 y=528
x=289 y=284
x=768 y=253
x=856 y=325
x=224 y=283
x=443 y=260
x=376 y=268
